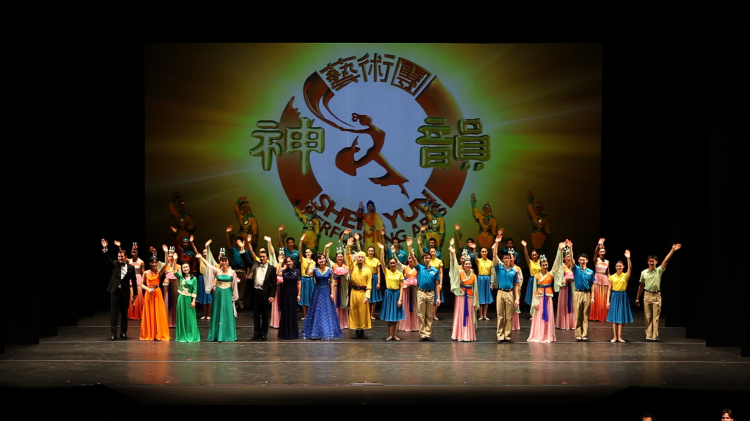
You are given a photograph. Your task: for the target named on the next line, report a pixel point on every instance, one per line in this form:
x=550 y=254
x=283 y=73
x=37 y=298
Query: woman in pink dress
x=542 y=322
x=409 y=300
x=600 y=290
x=463 y=282
x=135 y=309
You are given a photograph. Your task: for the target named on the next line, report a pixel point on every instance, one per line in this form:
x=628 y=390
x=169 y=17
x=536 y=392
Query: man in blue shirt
x=428 y=293
x=431 y=244
x=508 y=287
x=583 y=278
x=399 y=254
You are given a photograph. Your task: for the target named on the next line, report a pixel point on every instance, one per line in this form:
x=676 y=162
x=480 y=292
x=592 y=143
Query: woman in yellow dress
x=484 y=280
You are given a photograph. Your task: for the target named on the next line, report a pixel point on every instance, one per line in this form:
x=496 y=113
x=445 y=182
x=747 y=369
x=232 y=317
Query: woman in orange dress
x=154 y=325
x=463 y=281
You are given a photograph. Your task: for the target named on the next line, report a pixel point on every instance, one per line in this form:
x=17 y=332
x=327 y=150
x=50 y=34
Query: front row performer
x=222 y=282
x=360 y=279
x=154 y=323
x=428 y=284
x=463 y=281
x=393 y=309
x=120 y=289
x=583 y=279
x=542 y=310
x=651 y=282
x=509 y=290
x=186 y=326
x=617 y=303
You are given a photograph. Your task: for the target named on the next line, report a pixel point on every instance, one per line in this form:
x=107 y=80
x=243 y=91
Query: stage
x=376 y=371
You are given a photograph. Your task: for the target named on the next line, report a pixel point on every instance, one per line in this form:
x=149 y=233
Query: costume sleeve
x=300 y=214
x=493 y=277
x=535 y=299
x=369 y=284
x=235 y=294
x=455 y=276
x=558 y=272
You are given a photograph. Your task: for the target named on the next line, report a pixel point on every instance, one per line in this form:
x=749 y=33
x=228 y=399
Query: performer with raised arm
x=484 y=280
x=393 y=309
x=617 y=302
x=310 y=228
x=322 y=321
x=205 y=297
x=437 y=263
x=470 y=249
x=435 y=228
x=291 y=288
x=373 y=263
x=154 y=324
x=583 y=278
x=651 y=282
x=262 y=290
x=186 y=327
x=487 y=223
x=239 y=267
x=395 y=251
x=429 y=287
x=290 y=248
x=566 y=285
x=135 y=309
x=542 y=310
x=308 y=281
x=181 y=214
x=540 y=234
x=601 y=287
x=341 y=286
x=516 y=323
x=409 y=295
x=463 y=280
x=222 y=282
x=431 y=242
x=360 y=279
x=169 y=282
x=274 y=262
x=120 y=288
x=534 y=268
x=247 y=221
x=508 y=285
x=372 y=224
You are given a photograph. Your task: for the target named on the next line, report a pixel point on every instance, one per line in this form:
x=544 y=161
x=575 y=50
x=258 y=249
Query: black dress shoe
x=255 y=337
x=423 y=339
x=124 y=337
x=112 y=338
x=356 y=336
x=363 y=336
x=264 y=338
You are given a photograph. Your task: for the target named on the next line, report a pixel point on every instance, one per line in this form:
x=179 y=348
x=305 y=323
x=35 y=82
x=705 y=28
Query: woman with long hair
x=186 y=328
x=484 y=280
x=222 y=281
x=341 y=287
x=322 y=321
x=601 y=288
x=409 y=296
x=289 y=297
x=154 y=324
x=617 y=302
x=308 y=283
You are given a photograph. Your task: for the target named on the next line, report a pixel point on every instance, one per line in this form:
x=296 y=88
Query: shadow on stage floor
x=598 y=379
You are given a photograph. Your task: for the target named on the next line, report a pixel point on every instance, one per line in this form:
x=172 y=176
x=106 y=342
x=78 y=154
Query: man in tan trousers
x=508 y=286
x=583 y=278
x=651 y=283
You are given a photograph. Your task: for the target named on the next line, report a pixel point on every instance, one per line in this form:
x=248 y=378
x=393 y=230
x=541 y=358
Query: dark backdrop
x=674 y=116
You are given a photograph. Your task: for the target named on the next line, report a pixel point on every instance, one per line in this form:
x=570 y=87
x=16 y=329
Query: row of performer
x=341 y=293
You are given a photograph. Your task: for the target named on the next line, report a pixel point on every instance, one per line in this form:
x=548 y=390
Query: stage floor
x=198 y=373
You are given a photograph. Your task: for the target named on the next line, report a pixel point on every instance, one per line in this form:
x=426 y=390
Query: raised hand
x=393 y=249
x=208 y=243
x=382 y=231
x=356 y=235
x=361 y=205
x=152 y=250
x=561 y=246
x=104 y=243
x=523 y=243
x=230 y=228
x=627 y=254
x=329 y=244
x=409 y=241
x=474 y=197
x=117 y=243
x=601 y=241
x=241 y=243
x=350 y=241
x=676 y=246
x=347 y=231
x=281 y=227
x=498 y=239
x=192 y=237
x=452 y=241
x=267 y=238
x=174 y=230
x=164 y=247
x=381 y=246
x=452 y=249
x=500 y=231
x=423 y=228
x=301 y=239
x=473 y=246
x=457 y=227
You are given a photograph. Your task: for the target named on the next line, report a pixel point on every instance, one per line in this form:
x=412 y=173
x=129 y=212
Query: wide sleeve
x=455 y=275
x=209 y=276
x=558 y=271
x=210 y=257
x=493 y=277
x=235 y=293
x=535 y=298
x=369 y=284
x=193 y=287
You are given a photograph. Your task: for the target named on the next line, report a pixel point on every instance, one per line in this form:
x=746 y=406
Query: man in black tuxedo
x=121 y=287
x=262 y=290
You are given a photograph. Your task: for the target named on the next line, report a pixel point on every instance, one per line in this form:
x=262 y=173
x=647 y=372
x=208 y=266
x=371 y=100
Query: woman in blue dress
x=322 y=321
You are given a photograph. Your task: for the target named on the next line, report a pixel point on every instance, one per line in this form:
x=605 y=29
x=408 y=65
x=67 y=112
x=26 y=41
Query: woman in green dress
x=186 y=328
x=223 y=282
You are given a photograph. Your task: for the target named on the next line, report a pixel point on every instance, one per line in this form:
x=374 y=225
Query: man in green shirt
x=651 y=283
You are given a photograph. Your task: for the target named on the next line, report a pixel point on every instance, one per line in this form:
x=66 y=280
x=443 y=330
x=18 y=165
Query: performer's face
x=545 y=266
x=484 y=252
x=322 y=260
x=619 y=267
x=263 y=258
x=245 y=209
x=134 y=253
x=509 y=244
x=121 y=257
x=370 y=207
x=340 y=259
x=183 y=208
x=360 y=259
x=539 y=209
x=186 y=268
x=154 y=264
x=412 y=262
x=432 y=243
x=427 y=259
x=392 y=264
x=433 y=252
x=602 y=252
x=224 y=262
x=371 y=251
x=486 y=210
x=652 y=263
x=309 y=209
x=582 y=261
x=506 y=260
x=204 y=253
x=467 y=265
x=290 y=244
x=308 y=253
x=396 y=243
x=534 y=256
x=289 y=262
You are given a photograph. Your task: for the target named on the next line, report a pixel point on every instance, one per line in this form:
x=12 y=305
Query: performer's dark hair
x=584 y=255
x=508 y=239
x=480 y=250
x=318 y=256
x=647 y=415
x=505 y=253
x=728 y=412
x=620 y=262
x=426 y=255
x=535 y=250
x=288 y=258
x=262 y=252
x=470 y=239
x=651 y=256
x=289 y=238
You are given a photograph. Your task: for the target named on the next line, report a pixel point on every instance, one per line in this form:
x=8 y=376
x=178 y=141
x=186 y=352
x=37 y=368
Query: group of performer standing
x=342 y=292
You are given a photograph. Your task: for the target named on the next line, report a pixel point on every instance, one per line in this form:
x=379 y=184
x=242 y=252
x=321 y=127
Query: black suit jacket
x=126 y=282
x=269 y=283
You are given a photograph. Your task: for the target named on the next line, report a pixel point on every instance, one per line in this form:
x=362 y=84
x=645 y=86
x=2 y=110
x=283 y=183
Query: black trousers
x=261 y=311
x=119 y=302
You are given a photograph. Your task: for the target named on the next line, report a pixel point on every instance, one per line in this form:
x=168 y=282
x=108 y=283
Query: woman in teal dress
x=186 y=327
x=223 y=282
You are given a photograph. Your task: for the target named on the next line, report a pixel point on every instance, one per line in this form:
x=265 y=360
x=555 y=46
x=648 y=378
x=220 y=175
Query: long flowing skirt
x=483 y=287
x=308 y=284
x=135 y=309
x=154 y=321
x=359 y=312
x=411 y=320
x=542 y=331
x=391 y=311
x=619 y=308
x=463 y=321
x=599 y=292
x=322 y=322
x=223 y=326
x=342 y=313
x=203 y=296
x=516 y=321
x=186 y=329
x=288 y=315
x=276 y=308
x=565 y=320
x=376 y=295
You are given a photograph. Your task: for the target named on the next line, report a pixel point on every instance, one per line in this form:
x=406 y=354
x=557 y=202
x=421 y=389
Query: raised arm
x=104 y=253
x=382 y=255
x=458 y=235
x=627 y=256
x=675 y=247
x=356 y=238
x=281 y=242
x=498 y=239
x=409 y=242
x=474 y=209
x=348 y=253
x=229 y=241
x=599 y=245
x=250 y=248
x=526 y=253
